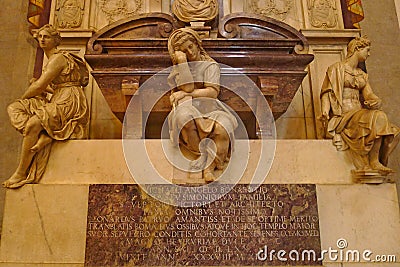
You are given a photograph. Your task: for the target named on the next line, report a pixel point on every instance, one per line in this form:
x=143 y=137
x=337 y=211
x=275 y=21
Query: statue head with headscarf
x=179 y=37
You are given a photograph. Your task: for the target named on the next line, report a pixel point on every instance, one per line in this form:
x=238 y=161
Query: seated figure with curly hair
x=40 y=120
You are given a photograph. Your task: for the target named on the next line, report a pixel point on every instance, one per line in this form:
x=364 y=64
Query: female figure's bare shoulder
x=58 y=60
x=360 y=126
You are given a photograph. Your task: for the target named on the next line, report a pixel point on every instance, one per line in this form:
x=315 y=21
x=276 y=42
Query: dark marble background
x=127 y=227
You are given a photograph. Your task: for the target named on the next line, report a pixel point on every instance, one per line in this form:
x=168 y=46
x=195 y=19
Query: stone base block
x=372 y=177
x=45 y=225
x=9 y=264
x=365 y=216
x=104 y=162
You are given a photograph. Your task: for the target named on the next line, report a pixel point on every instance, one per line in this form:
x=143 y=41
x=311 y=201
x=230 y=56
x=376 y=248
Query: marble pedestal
x=45 y=224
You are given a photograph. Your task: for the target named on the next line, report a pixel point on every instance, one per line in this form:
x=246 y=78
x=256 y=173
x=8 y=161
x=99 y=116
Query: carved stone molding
x=252 y=26
x=323 y=13
x=153 y=25
x=120 y=9
x=271 y=53
x=277 y=9
x=69 y=13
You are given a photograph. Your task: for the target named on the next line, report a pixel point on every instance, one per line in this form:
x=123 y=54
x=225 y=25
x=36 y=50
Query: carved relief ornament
x=119 y=9
x=70 y=13
x=195 y=10
x=277 y=9
x=323 y=13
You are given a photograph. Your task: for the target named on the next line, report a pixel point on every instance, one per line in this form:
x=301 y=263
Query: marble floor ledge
x=149 y=161
x=362 y=264
x=10 y=264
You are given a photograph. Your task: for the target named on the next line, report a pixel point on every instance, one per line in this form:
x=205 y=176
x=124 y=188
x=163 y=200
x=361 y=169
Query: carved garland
x=271 y=8
x=118 y=9
x=323 y=13
x=69 y=13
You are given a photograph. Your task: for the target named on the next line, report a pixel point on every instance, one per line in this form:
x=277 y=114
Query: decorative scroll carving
x=277 y=9
x=323 y=13
x=153 y=25
x=119 y=9
x=69 y=13
x=251 y=26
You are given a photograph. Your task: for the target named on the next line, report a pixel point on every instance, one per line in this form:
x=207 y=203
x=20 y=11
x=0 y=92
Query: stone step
x=104 y=162
x=45 y=225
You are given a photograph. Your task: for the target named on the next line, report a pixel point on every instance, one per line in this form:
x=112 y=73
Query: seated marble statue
x=195 y=75
x=40 y=120
x=195 y=10
x=360 y=126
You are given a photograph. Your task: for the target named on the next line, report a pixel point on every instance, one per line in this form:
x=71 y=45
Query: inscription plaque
x=127 y=227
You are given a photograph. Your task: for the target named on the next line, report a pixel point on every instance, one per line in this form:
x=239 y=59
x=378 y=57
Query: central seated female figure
x=195 y=76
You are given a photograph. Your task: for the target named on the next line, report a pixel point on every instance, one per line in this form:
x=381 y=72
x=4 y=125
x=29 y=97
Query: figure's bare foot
x=43 y=140
x=199 y=163
x=365 y=168
x=208 y=176
x=379 y=167
x=208 y=173
x=221 y=165
x=15 y=181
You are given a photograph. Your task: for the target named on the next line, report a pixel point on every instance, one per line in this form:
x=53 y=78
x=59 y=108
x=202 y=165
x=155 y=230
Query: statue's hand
x=324 y=116
x=373 y=103
x=49 y=90
x=180 y=57
x=32 y=80
x=175 y=97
